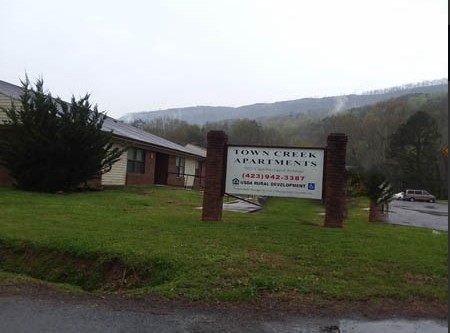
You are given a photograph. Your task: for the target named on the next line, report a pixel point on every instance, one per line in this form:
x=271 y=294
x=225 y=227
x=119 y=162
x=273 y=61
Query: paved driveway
x=419 y=214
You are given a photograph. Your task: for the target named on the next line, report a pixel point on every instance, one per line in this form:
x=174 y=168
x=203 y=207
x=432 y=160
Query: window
x=179 y=164
x=136 y=160
x=198 y=168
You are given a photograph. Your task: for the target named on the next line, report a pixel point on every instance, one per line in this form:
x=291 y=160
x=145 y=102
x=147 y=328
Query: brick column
x=215 y=176
x=335 y=180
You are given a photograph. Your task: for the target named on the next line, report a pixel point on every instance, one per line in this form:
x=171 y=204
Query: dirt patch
x=413 y=278
x=117 y=276
x=371 y=309
x=271 y=260
x=94 y=273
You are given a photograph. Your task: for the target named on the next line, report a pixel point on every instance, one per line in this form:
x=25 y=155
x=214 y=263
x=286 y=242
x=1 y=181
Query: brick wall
x=172 y=178
x=335 y=180
x=5 y=178
x=146 y=178
x=215 y=176
x=200 y=181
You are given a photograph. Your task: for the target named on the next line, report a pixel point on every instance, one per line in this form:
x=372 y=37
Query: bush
x=53 y=145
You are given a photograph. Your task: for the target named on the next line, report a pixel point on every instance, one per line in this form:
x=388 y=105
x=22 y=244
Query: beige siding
x=5 y=102
x=189 y=170
x=117 y=175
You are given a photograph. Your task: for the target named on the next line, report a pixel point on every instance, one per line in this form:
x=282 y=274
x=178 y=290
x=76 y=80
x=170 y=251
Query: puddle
x=311 y=325
x=393 y=326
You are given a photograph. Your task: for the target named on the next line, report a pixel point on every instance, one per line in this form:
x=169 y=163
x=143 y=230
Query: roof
x=118 y=128
x=127 y=131
x=10 y=90
x=199 y=150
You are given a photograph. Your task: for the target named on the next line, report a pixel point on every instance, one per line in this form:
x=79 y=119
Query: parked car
x=419 y=195
x=399 y=196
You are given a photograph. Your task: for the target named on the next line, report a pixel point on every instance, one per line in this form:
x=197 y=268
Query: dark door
x=161 y=168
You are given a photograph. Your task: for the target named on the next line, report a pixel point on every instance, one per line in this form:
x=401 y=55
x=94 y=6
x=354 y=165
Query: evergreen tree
x=413 y=150
x=246 y=131
x=52 y=145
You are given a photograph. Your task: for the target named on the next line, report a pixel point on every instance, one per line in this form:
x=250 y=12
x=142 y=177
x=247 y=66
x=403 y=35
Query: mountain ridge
x=200 y=115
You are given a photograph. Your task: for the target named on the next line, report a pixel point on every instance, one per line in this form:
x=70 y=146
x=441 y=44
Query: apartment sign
x=279 y=172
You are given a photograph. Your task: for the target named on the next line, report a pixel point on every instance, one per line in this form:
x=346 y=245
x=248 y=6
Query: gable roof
x=10 y=90
x=118 y=128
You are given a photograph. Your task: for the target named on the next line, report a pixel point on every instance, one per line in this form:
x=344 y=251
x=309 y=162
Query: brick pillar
x=335 y=183
x=215 y=176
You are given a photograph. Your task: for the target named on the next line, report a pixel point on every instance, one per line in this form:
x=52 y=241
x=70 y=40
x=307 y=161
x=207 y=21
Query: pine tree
x=52 y=145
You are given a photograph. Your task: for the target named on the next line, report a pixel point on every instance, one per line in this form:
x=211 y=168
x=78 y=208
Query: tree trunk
x=376 y=212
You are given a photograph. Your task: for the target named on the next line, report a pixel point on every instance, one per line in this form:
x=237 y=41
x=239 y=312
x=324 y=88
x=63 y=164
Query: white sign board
x=279 y=172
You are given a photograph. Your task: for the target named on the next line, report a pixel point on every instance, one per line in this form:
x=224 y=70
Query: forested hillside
x=369 y=130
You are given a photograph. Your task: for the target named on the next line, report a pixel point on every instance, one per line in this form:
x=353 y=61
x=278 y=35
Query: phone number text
x=272 y=176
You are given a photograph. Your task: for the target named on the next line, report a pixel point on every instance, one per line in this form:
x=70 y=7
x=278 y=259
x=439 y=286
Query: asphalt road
x=23 y=314
x=419 y=214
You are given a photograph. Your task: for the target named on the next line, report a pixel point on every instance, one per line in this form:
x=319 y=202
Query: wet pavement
x=23 y=314
x=419 y=214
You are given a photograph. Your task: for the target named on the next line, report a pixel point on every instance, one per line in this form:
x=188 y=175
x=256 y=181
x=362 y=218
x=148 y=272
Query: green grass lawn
x=282 y=250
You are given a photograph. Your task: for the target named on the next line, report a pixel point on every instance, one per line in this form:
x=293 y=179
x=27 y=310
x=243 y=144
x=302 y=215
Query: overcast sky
x=148 y=55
